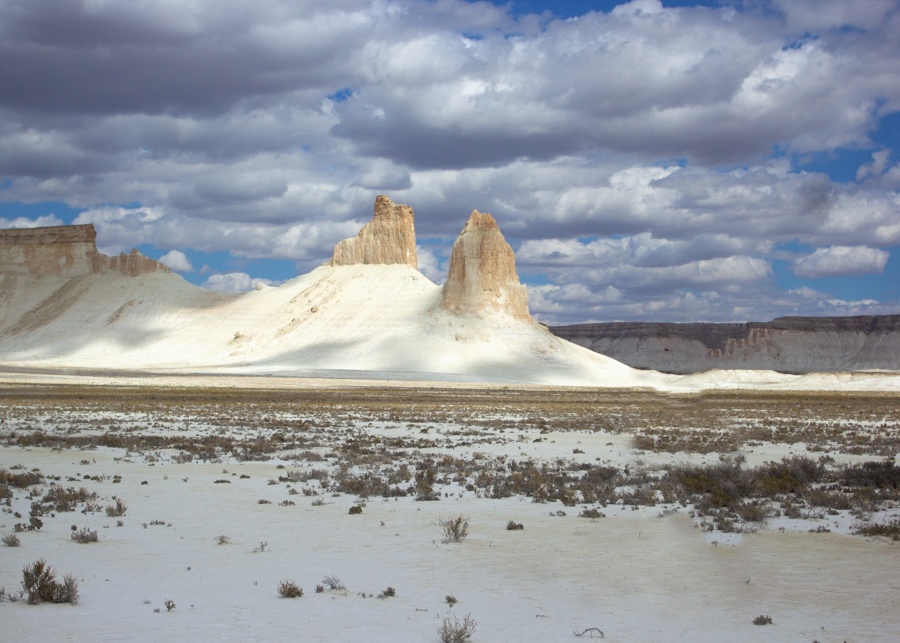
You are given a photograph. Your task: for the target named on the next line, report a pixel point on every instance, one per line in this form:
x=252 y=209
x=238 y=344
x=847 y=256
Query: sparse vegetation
x=289 y=589
x=39 y=585
x=83 y=535
x=11 y=540
x=388 y=592
x=887 y=529
x=452 y=630
x=117 y=509
x=332 y=583
x=762 y=620
x=170 y=604
x=455 y=529
x=512 y=525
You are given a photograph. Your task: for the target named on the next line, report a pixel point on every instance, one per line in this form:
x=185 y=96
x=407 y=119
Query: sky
x=733 y=160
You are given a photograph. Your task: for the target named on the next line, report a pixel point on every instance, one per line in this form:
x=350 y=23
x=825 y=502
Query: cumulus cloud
x=235 y=282
x=650 y=150
x=26 y=222
x=177 y=261
x=840 y=261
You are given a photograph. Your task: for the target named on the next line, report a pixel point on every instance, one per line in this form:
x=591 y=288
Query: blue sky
x=663 y=161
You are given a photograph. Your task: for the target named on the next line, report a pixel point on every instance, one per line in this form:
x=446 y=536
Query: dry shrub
x=289 y=589
x=40 y=585
x=452 y=630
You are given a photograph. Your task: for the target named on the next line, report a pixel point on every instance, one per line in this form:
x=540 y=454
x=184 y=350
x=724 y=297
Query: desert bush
x=880 y=475
x=451 y=600
x=289 y=589
x=170 y=604
x=65 y=499
x=116 y=509
x=356 y=509
x=720 y=485
x=83 y=535
x=751 y=511
x=592 y=513
x=452 y=630
x=512 y=525
x=332 y=582
x=39 y=584
x=11 y=540
x=889 y=529
x=829 y=499
x=20 y=480
x=388 y=593
x=455 y=529
x=762 y=620
x=222 y=540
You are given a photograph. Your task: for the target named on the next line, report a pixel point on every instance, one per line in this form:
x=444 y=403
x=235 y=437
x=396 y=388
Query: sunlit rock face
x=482 y=276
x=389 y=238
x=68 y=251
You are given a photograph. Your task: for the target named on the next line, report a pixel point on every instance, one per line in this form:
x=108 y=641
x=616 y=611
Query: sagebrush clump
x=452 y=630
x=39 y=585
x=289 y=589
x=455 y=529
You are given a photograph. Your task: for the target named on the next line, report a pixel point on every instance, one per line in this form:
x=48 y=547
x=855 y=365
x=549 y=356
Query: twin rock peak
x=482 y=276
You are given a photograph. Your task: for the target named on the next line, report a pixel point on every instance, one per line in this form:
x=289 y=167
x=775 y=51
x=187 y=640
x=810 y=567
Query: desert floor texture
x=648 y=516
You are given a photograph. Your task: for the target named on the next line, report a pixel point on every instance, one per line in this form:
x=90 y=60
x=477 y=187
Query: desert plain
x=644 y=515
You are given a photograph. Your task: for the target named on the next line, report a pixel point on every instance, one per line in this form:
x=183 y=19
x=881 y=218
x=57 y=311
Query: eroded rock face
x=788 y=344
x=482 y=275
x=66 y=250
x=389 y=238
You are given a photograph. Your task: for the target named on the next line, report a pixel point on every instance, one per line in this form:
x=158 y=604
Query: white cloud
x=629 y=149
x=234 y=282
x=840 y=261
x=25 y=222
x=177 y=261
x=429 y=265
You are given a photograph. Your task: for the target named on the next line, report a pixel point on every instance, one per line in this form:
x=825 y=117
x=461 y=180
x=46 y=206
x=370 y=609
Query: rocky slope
x=786 y=344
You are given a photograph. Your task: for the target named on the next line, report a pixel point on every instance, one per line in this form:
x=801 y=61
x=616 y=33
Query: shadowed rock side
x=69 y=251
x=389 y=238
x=482 y=275
x=787 y=344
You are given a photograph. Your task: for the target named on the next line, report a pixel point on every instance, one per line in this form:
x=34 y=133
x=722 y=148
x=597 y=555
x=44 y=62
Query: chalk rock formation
x=482 y=275
x=388 y=238
x=66 y=250
x=788 y=344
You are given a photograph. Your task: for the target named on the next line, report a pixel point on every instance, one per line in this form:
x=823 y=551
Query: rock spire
x=388 y=238
x=482 y=275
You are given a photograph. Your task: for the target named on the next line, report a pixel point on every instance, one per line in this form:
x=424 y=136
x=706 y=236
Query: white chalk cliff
x=366 y=313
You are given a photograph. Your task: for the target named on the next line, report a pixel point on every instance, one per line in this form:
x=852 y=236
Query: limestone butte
x=482 y=275
x=388 y=238
x=66 y=250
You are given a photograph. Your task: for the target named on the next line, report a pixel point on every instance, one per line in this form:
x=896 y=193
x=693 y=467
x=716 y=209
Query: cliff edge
x=69 y=251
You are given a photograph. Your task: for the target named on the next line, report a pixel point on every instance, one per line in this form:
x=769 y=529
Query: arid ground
x=647 y=516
